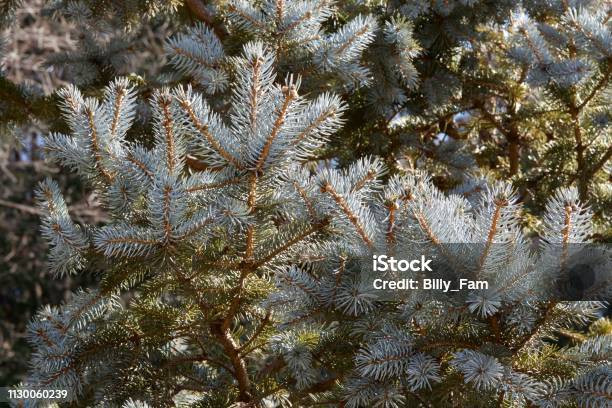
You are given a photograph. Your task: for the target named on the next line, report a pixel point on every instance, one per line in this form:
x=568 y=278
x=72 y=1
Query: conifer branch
x=254 y=91
x=169 y=134
x=601 y=162
x=327 y=188
x=307 y=15
x=352 y=39
x=265 y=322
x=251 y=200
x=499 y=205
x=239 y=366
x=392 y=208
x=369 y=176
x=196 y=248
x=548 y=309
x=166 y=213
x=290 y=94
x=215 y=186
x=292 y=282
x=309 y=206
x=290 y=242
x=246 y=17
x=130 y=157
x=190 y=55
x=198 y=165
x=316 y=123
x=600 y=84
x=205 y=131
x=567 y=225
x=130 y=240
x=426 y=228
x=95 y=148
x=121 y=92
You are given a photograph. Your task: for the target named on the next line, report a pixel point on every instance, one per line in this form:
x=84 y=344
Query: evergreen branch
x=580 y=147
x=534 y=49
x=220 y=330
x=60 y=372
x=244 y=348
x=83 y=308
x=309 y=291
x=290 y=94
x=321 y=387
x=391 y=207
x=338 y=279
x=550 y=306
x=454 y=344
x=232 y=351
x=46 y=339
x=327 y=188
x=232 y=8
x=130 y=157
x=130 y=240
x=254 y=93
x=97 y=155
x=114 y=242
x=320 y=5
x=369 y=176
x=590 y=172
x=121 y=92
x=499 y=205
x=190 y=55
x=59 y=326
x=250 y=243
x=511 y=134
x=602 y=82
x=194 y=226
x=261 y=212
x=214 y=360
x=251 y=197
x=352 y=39
x=166 y=213
x=205 y=131
x=576 y=21
x=289 y=243
x=169 y=134
x=321 y=118
x=601 y=162
x=427 y=229
x=309 y=206
x=198 y=165
x=214 y=186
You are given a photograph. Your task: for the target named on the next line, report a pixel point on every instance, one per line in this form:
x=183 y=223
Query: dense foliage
x=248 y=182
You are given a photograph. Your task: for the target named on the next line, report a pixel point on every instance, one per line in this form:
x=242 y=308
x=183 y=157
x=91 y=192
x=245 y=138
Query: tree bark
x=231 y=350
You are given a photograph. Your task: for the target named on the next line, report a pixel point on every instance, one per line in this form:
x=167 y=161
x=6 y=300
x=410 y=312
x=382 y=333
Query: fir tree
x=245 y=206
x=240 y=282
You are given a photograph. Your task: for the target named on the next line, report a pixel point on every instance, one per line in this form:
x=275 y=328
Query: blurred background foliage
x=38 y=56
